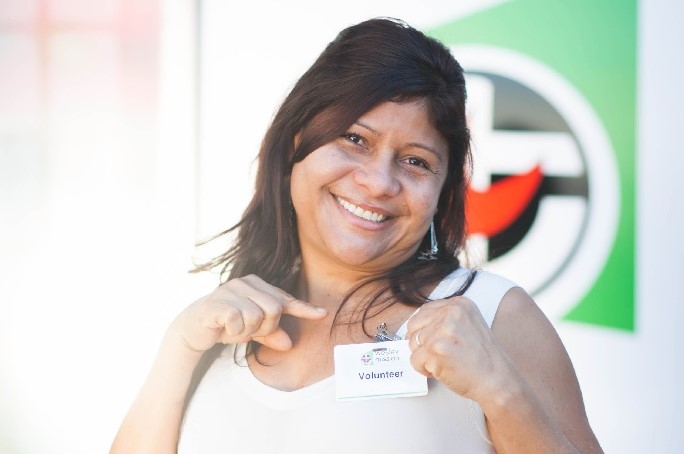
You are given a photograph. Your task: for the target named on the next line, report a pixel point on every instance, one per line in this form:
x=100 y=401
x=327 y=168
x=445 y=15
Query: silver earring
x=434 y=249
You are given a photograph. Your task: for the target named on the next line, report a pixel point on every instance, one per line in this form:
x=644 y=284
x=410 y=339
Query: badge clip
x=382 y=335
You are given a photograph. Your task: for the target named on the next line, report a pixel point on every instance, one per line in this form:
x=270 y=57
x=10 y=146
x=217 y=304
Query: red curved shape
x=491 y=212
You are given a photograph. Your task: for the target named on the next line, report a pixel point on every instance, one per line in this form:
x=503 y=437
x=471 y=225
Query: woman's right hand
x=242 y=309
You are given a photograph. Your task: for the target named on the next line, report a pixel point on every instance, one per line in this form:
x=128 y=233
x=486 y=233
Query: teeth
x=360 y=212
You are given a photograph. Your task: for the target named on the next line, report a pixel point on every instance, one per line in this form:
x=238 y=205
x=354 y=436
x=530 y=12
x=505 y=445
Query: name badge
x=376 y=370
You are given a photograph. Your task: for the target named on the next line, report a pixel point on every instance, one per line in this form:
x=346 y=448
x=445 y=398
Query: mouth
x=360 y=212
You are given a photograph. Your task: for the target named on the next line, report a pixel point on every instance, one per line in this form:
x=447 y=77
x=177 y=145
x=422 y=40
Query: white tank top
x=233 y=412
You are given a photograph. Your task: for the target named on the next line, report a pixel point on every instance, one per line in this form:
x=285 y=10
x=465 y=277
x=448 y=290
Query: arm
x=544 y=407
x=241 y=310
x=153 y=422
x=518 y=372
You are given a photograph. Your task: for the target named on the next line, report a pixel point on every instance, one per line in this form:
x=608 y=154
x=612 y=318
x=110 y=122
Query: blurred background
x=129 y=129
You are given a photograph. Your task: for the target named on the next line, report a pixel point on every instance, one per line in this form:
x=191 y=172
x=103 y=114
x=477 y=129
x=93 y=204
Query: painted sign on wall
x=552 y=196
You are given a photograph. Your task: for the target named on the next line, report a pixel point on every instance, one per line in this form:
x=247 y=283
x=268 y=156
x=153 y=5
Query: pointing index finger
x=290 y=304
x=302 y=309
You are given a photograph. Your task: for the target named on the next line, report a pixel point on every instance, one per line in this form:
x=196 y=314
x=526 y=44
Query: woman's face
x=366 y=199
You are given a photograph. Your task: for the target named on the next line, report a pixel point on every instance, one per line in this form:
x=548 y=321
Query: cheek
x=427 y=200
x=296 y=181
x=317 y=171
x=301 y=183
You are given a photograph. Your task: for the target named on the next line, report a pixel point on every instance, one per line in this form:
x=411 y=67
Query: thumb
x=278 y=340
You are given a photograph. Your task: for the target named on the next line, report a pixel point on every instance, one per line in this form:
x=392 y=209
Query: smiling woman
x=368 y=198
x=357 y=221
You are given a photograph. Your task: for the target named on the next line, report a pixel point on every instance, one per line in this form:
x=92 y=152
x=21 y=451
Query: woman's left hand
x=518 y=371
x=451 y=342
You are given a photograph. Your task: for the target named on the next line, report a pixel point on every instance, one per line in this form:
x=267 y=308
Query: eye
x=354 y=138
x=418 y=162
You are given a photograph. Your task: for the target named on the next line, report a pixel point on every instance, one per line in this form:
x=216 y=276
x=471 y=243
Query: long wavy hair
x=375 y=61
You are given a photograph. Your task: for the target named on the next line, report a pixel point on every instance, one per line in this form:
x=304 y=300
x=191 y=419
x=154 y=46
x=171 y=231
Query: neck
x=327 y=286
x=327 y=283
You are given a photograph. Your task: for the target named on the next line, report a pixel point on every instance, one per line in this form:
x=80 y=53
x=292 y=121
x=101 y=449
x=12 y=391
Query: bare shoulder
x=529 y=339
x=531 y=342
x=520 y=325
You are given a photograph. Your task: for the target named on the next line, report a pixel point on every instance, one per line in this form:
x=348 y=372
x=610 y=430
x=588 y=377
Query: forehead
x=406 y=120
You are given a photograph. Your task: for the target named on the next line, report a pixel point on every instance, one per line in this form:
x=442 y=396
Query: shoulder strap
x=486 y=290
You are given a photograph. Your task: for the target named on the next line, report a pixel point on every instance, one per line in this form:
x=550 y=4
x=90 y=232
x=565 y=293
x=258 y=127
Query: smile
x=360 y=212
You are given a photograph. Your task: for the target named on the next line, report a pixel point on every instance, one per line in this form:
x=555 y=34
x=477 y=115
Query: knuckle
x=440 y=347
x=253 y=318
x=435 y=368
x=466 y=304
x=271 y=308
x=413 y=323
x=256 y=282
x=232 y=314
x=205 y=306
x=286 y=298
x=231 y=284
x=241 y=284
x=454 y=312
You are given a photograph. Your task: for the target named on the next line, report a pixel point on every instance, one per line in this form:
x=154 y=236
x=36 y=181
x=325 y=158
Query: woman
x=357 y=221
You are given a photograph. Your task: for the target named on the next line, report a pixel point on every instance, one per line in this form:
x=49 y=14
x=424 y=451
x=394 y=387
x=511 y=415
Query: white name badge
x=376 y=370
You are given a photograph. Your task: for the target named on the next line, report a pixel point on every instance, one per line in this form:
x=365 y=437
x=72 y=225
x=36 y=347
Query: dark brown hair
x=367 y=64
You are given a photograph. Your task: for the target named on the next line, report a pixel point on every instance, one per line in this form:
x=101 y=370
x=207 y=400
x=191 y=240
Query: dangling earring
x=434 y=249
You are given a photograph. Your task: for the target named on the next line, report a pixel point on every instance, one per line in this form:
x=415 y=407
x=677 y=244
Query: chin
x=378 y=261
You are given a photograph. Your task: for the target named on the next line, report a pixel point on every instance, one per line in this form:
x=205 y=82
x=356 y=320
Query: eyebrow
x=410 y=144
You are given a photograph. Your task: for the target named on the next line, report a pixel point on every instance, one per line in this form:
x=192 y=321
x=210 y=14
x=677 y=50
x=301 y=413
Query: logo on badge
x=367 y=358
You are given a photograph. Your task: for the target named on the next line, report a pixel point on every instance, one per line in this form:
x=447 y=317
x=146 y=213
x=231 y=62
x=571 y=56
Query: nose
x=378 y=177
